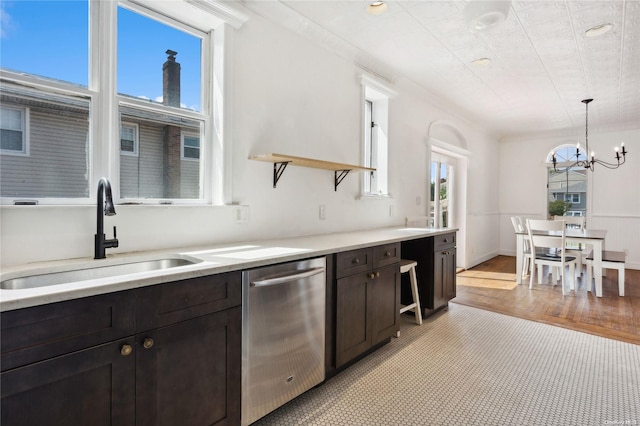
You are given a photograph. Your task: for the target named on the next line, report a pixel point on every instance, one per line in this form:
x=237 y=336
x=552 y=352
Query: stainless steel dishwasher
x=283 y=326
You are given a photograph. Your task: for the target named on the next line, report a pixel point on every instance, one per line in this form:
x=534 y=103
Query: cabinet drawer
x=34 y=334
x=386 y=255
x=353 y=261
x=169 y=303
x=444 y=241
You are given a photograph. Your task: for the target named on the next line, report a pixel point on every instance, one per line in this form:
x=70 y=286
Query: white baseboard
x=483 y=258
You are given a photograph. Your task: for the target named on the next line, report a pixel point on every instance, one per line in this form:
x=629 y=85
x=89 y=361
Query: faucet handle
x=114 y=233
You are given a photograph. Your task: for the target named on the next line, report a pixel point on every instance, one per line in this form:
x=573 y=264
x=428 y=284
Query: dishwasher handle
x=287 y=278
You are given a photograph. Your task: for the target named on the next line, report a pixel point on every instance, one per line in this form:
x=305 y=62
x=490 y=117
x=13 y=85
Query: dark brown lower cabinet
x=95 y=386
x=181 y=367
x=445 y=275
x=189 y=373
x=366 y=311
x=436 y=271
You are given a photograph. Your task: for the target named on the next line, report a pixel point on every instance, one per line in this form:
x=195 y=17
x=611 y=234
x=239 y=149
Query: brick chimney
x=171 y=80
x=171 y=148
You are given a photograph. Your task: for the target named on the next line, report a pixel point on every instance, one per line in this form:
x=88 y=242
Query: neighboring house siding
x=562 y=185
x=56 y=166
x=142 y=176
x=190 y=179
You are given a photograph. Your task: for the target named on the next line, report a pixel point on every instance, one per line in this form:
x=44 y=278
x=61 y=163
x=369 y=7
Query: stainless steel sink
x=93 y=272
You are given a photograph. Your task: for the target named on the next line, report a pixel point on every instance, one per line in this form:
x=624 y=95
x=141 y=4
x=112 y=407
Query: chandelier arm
x=609 y=165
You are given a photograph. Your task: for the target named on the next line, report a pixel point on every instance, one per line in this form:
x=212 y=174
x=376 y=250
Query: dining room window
x=566 y=185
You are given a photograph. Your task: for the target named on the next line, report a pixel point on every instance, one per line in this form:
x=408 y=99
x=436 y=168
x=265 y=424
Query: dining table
x=593 y=237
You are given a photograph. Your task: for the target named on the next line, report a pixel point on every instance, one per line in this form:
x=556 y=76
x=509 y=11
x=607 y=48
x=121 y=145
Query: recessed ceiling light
x=377 y=7
x=480 y=62
x=598 y=30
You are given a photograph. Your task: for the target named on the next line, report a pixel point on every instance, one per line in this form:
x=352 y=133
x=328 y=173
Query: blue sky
x=50 y=38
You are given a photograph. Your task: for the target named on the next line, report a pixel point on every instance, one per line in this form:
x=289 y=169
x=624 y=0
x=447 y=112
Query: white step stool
x=410 y=267
x=610 y=260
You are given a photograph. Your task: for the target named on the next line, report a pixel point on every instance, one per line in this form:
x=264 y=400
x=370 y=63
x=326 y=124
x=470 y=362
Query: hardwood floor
x=609 y=316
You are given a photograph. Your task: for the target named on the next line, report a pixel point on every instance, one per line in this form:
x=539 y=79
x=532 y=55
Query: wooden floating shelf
x=280 y=162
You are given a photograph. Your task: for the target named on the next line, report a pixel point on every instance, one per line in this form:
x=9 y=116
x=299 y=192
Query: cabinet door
x=449 y=279
x=94 y=387
x=385 y=303
x=445 y=276
x=353 y=334
x=189 y=373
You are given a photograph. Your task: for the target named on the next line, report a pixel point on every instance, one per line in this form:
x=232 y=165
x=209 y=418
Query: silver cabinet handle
x=287 y=278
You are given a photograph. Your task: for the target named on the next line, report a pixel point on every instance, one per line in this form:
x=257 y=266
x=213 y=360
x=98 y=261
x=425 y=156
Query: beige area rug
x=471 y=367
x=486 y=279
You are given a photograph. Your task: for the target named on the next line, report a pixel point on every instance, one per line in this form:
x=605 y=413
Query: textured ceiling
x=542 y=64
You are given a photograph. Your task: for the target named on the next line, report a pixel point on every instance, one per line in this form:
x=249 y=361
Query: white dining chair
x=520 y=226
x=575 y=222
x=550 y=236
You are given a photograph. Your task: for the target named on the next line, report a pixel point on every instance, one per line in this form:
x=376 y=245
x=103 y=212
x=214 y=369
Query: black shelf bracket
x=339 y=175
x=278 y=169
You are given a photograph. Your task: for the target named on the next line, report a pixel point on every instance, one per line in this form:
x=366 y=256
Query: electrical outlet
x=322 y=212
x=241 y=214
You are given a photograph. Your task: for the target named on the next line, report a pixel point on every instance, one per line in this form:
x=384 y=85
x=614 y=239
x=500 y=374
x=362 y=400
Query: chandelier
x=590 y=163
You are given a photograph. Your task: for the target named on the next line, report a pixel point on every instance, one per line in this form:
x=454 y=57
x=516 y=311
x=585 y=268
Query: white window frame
x=182 y=146
x=375 y=137
x=24 y=122
x=562 y=196
x=136 y=136
x=213 y=18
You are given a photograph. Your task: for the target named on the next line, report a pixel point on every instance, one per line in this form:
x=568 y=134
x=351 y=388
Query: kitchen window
x=12 y=130
x=162 y=107
x=375 y=136
x=111 y=57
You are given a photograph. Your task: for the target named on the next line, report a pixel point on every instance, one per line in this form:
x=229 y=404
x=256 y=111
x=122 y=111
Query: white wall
x=613 y=195
x=293 y=97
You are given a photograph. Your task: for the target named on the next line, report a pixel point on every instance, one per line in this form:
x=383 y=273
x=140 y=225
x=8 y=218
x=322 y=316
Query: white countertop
x=213 y=259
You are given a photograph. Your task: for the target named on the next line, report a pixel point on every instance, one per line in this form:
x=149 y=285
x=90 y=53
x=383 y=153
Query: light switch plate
x=241 y=214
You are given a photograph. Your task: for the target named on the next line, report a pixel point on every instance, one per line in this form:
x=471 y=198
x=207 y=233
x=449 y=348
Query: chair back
x=518 y=224
x=572 y=222
x=418 y=221
x=538 y=234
